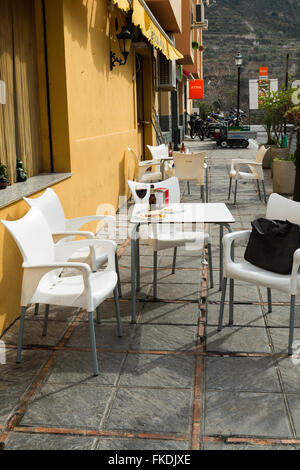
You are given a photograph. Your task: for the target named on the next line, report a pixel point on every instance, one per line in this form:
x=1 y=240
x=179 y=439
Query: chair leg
x=46 y=320
x=292 y=324
x=231 y=302
x=264 y=190
x=21 y=333
x=235 y=191
x=230 y=187
x=117 y=304
x=211 y=274
x=270 y=301
x=222 y=304
x=98 y=311
x=189 y=188
x=93 y=344
x=258 y=189
x=138 y=268
x=118 y=273
x=202 y=194
x=174 y=261
x=36 y=310
x=155 y=276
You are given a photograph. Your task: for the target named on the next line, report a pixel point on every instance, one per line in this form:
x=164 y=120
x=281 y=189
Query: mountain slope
x=263 y=30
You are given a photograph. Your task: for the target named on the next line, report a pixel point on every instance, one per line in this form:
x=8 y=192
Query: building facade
x=70 y=117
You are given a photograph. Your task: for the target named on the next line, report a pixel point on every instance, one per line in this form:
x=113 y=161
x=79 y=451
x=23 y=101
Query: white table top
x=187 y=213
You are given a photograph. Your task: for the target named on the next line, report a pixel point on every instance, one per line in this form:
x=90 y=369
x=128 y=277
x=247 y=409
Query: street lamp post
x=238 y=63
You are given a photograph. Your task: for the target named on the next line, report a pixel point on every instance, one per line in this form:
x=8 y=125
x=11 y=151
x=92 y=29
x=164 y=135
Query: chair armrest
x=295 y=271
x=77 y=223
x=64 y=251
x=149 y=163
x=61 y=236
x=228 y=240
x=82 y=267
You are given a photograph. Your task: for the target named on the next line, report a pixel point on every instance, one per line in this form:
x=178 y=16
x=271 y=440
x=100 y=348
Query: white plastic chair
x=50 y=205
x=191 y=167
x=279 y=208
x=159 y=239
x=42 y=280
x=256 y=174
x=142 y=174
x=158 y=153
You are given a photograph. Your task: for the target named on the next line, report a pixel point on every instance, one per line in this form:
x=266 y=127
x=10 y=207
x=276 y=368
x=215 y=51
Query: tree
x=275 y=105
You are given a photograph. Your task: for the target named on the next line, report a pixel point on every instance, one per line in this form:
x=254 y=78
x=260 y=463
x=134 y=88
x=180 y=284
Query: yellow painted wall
x=93 y=117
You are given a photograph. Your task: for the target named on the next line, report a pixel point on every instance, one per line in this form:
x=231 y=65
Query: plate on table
x=172 y=210
x=153 y=215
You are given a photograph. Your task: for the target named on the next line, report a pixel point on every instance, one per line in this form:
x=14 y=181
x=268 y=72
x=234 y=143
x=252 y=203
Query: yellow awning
x=141 y=18
x=122 y=4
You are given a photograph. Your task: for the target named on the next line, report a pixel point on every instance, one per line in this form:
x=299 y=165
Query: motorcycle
x=196 y=127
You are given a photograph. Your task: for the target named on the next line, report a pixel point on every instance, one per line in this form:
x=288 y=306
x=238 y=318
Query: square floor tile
x=246 y=414
x=164 y=338
x=151 y=410
x=237 y=339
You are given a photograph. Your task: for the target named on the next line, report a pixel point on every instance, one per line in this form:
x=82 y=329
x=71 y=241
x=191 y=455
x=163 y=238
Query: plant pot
x=284 y=174
x=282 y=154
x=3 y=183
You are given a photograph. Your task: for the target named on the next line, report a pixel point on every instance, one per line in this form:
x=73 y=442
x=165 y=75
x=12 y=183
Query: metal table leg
x=133 y=272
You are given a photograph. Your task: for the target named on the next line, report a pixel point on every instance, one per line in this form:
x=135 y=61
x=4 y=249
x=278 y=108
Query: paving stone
x=164 y=338
x=290 y=373
x=151 y=410
x=244 y=315
x=32 y=362
x=241 y=374
x=243 y=447
x=24 y=441
x=294 y=406
x=10 y=395
x=106 y=336
x=280 y=316
x=246 y=414
x=141 y=444
x=170 y=313
x=174 y=291
x=242 y=293
x=237 y=339
x=280 y=339
x=158 y=371
x=76 y=367
x=67 y=406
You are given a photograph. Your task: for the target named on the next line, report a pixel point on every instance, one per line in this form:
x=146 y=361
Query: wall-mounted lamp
x=125 y=38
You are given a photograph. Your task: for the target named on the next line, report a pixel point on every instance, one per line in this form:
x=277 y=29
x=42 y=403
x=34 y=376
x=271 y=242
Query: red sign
x=263 y=71
x=196 y=90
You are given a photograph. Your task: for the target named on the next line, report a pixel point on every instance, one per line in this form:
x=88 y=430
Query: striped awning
x=151 y=29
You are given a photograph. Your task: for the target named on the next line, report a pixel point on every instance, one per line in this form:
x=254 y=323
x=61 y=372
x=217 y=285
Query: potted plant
x=195 y=45
x=293 y=115
x=284 y=174
x=21 y=172
x=275 y=105
x=3 y=176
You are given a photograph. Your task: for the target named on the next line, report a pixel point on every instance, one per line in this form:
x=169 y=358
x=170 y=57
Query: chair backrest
x=172 y=184
x=33 y=237
x=50 y=205
x=281 y=208
x=189 y=167
x=260 y=154
x=159 y=151
x=135 y=154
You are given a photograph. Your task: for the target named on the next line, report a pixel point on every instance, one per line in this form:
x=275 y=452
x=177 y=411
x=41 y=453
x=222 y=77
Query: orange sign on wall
x=263 y=71
x=196 y=89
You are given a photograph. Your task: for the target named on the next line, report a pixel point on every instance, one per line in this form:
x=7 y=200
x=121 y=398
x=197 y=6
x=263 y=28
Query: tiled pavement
x=172 y=382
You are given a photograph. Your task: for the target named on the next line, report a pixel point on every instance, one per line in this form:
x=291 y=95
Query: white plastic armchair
x=63 y=229
x=42 y=283
x=192 y=167
x=256 y=172
x=279 y=208
x=143 y=173
x=160 y=239
x=159 y=152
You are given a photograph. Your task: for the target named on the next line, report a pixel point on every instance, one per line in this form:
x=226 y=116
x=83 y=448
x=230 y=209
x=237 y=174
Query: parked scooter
x=196 y=127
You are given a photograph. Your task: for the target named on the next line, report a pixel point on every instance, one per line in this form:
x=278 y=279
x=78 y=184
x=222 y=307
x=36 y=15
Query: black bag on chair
x=272 y=245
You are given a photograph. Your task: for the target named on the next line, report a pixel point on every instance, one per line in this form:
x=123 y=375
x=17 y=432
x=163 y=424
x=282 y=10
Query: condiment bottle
x=170 y=150
x=152 y=199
